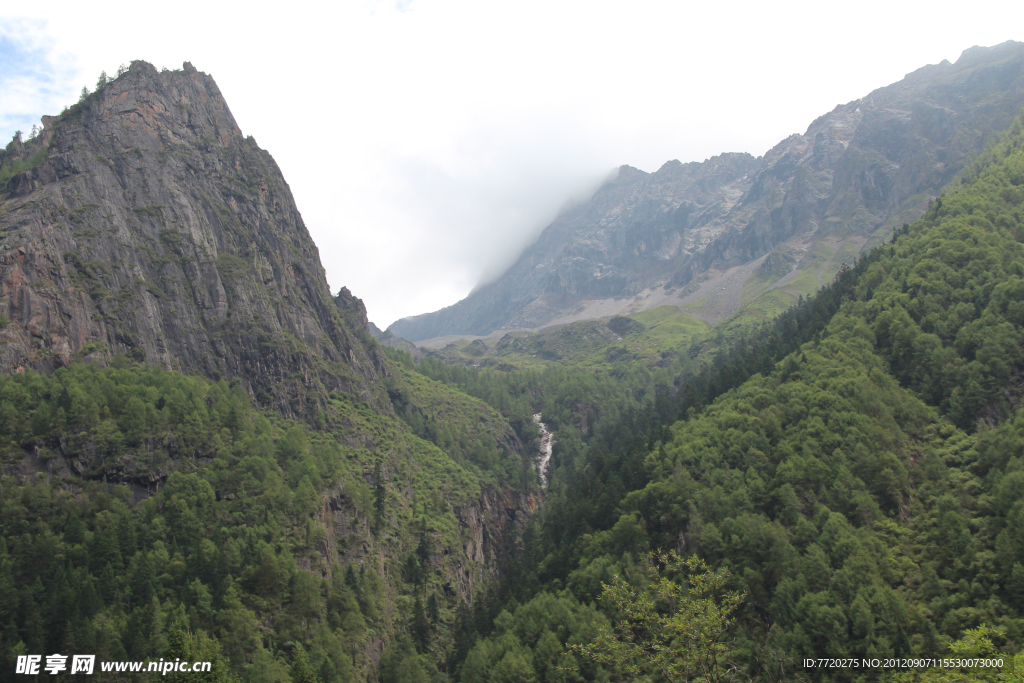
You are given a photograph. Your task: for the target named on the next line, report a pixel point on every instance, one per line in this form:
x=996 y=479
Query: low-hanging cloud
x=461 y=222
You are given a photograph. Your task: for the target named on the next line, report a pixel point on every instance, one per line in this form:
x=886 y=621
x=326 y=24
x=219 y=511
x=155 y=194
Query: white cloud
x=33 y=80
x=428 y=141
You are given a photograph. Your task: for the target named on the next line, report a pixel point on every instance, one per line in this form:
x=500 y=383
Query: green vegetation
x=670 y=323
x=167 y=515
x=232 y=269
x=855 y=465
x=533 y=642
x=650 y=336
x=11 y=164
x=668 y=629
x=153 y=211
x=976 y=642
x=468 y=430
x=85 y=567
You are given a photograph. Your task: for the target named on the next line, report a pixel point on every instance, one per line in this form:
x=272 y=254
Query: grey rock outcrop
x=152 y=227
x=855 y=173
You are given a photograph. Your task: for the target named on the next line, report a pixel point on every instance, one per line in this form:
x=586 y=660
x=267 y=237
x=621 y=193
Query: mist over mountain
x=697 y=235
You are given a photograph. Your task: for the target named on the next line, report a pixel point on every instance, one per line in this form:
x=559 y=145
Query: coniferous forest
x=855 y=465
x=844 y=480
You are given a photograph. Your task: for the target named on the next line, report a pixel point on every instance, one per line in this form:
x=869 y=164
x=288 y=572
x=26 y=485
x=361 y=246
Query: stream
x=547 y=442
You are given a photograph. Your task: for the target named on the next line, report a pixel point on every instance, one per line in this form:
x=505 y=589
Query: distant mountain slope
x=141 y=221
x=697 y=235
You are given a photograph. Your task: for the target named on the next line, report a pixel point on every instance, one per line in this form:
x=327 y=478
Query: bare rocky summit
x=142 y=222
x=699 y=235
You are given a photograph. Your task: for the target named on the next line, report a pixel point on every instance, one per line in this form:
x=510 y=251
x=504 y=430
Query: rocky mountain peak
x=142 y=222
x=147 y=108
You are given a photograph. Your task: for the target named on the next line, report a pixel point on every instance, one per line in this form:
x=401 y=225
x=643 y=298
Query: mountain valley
x=803 y=369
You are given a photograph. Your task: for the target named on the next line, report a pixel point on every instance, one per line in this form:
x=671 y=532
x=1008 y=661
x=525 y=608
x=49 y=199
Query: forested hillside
x=866 y=491
x=138 y=502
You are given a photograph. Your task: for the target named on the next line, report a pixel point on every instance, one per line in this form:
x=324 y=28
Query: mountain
x=142 y=222
x=712 y=236
x=304 y=507
x=203 y=454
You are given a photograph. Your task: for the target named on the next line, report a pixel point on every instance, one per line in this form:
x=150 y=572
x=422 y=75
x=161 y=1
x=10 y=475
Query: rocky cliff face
x=489 y=525
x=142 y=222
x=817 y=198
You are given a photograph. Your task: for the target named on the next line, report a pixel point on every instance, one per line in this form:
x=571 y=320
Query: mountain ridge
x=823 y=196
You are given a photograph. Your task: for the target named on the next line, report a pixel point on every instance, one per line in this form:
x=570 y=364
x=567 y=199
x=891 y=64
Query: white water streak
x=547 y=443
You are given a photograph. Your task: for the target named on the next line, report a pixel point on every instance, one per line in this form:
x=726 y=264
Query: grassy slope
x=471 y=432
x=587 y=344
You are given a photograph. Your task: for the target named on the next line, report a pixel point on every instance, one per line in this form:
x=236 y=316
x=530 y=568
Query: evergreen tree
x=379 y=492
x=419 y=626
x=301 y=671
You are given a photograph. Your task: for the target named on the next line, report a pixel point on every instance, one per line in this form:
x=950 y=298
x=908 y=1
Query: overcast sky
x=427 y=142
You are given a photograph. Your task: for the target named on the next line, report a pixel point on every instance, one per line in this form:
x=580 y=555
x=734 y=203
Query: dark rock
x=385 y=338
x=352 y=309
x=623 y=326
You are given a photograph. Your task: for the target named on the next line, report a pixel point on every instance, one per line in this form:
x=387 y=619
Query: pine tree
x=379 y=491
x=350 y=579
x=301 y=671
x=423 y=556
x=433 y=610
x=191 y=647
x=419 y=627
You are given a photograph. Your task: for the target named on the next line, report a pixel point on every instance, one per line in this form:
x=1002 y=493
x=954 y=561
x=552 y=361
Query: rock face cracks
x=147 y=225
x=858 y=171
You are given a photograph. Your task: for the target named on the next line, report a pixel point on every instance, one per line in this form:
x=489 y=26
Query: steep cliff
x=694 y=234
x=488 y=527
x=142 y=222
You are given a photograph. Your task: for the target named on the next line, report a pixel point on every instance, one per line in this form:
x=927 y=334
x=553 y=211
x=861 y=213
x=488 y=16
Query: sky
x=428 y=142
